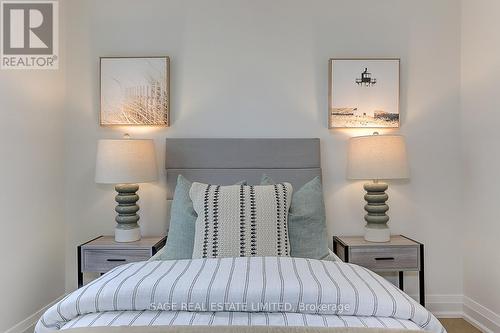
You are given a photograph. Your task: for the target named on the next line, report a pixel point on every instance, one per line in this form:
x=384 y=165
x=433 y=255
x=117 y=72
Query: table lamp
x=125 y=163
x=377 y=157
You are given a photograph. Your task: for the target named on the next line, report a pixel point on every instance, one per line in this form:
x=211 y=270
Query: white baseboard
x=458 y=306
x=445 y=306
x=442 y=306
x=483 y=318
x=28 y=325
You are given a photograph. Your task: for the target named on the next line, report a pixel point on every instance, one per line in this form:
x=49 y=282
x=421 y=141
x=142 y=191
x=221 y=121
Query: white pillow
x=241 y=220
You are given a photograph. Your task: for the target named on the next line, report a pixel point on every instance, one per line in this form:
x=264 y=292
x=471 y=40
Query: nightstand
x=401 y=254
x=101 y=254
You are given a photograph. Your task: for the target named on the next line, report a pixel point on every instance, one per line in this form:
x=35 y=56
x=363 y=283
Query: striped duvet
x=273 y=291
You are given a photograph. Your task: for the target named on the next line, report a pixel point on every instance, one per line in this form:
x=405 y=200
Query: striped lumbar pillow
x=241 y=220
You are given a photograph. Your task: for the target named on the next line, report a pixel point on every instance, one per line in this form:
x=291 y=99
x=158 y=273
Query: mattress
x=185 y=318
x=232 y=329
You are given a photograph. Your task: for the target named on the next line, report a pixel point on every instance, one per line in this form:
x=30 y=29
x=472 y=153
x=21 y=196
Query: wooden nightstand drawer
x=385 y=258
x=102 y=254
x=104 y=260
x=400 y=254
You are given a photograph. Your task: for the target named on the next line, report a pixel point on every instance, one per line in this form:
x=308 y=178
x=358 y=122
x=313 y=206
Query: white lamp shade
x=125 y=161
x=377 y=157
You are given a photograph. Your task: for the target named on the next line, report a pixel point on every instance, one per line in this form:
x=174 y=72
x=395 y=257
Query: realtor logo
x=30 y=35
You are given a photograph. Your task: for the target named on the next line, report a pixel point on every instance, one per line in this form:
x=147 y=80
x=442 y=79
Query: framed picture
x=363 y=93
x=135 y=91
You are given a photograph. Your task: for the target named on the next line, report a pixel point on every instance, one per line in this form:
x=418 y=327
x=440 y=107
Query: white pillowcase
x=241 y=220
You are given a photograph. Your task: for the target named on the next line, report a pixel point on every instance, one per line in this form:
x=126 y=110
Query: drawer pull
x=114 y=260
x=384 y=258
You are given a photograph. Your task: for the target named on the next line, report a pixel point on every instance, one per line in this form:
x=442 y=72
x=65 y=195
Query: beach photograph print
x=363 y=93
x=135 y=91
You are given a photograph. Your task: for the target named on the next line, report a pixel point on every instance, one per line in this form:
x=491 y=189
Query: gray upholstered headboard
x=227 y=161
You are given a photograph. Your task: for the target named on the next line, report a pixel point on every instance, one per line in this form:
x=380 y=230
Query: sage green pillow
x=306 y=221
x=180 y=239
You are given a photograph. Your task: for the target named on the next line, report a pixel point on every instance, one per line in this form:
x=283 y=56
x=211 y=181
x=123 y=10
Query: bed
x=239 y=294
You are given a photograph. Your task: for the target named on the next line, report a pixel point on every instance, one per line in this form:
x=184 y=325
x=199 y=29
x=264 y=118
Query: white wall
x=480 y=118
x=31 y=195
x=259 y=69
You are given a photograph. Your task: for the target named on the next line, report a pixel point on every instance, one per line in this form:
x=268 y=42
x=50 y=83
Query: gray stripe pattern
x=320 y=293
x=167 y=318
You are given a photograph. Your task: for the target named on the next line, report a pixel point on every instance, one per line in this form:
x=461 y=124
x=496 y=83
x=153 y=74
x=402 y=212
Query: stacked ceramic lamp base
x=377 y=157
